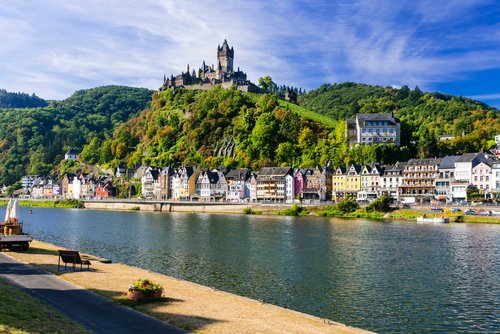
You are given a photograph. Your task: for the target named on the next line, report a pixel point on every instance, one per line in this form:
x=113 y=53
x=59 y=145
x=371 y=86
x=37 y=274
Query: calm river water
x=387 y=277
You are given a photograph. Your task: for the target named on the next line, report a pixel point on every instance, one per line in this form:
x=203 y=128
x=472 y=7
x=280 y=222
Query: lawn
x=21 y=313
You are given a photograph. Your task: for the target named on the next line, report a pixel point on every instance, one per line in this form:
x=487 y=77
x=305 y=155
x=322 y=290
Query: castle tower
x=225 y=56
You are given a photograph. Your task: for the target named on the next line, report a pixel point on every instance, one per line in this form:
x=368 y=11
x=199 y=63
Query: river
x=388 y=277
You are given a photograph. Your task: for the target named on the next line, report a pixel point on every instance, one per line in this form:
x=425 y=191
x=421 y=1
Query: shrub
x=382 y=204
x=295 y=210
x=250 y=211
x=347 y=205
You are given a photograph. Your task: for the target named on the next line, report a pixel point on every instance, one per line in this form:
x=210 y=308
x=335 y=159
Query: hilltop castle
x=209 y=76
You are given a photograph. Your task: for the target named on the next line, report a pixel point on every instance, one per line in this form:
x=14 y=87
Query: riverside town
x=450 y=180
x=250 y=167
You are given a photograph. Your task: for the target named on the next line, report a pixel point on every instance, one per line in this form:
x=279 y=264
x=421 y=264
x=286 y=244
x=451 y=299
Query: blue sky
x=52 y=48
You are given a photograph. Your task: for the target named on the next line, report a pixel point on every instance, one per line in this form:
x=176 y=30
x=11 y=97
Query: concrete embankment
x=196 y=207
x=187 y=305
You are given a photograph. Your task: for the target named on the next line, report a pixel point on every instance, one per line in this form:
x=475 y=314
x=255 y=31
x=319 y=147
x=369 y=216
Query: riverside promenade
x=189 y=306
x=94 y=312
x=180 y=206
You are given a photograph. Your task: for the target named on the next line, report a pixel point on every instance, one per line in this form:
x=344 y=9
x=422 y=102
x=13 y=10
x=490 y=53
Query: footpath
x=190 y=306
x=96 y=313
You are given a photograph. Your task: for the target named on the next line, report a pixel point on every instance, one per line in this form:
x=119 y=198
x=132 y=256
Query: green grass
x=361 y=213
x=413 y=214
x=301 y=111
x=21 y=313
x=66 y=203
x=308 y=114
x=482 y=219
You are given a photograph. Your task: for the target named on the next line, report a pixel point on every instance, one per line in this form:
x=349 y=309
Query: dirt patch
x=187 y=305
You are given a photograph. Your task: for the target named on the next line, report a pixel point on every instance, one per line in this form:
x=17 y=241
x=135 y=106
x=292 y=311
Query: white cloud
x=54 y=48
x=494 y=96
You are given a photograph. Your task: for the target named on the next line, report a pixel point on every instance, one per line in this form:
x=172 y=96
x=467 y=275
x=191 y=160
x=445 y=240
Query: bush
x=295 y=210
x=249 y=211
x=382 y=204
x=347 y=205
x=343 y=208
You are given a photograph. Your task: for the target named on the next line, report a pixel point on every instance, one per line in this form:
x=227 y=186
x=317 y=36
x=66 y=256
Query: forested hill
x=115 y=124
x=34 y=140
x=424 y=116
x=235 y=129
x=341 y=101
x=218 y=127
x=20 y=100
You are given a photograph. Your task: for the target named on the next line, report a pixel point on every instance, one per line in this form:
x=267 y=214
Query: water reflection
x=387 y=277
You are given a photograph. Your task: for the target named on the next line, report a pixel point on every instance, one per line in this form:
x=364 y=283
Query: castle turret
x=225 y=55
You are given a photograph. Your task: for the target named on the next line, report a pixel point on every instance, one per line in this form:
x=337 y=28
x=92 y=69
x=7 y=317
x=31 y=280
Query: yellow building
x=338 y=183
x=353 y=180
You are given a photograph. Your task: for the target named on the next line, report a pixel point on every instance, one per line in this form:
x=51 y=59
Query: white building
x=77 y=188
x=495 y=178
x=71 y=155
x=237 y=185
x=445 y=178
x=369 y=129
x=481 y=176
x=464 y=165
x=150 y=182
x=391 y=179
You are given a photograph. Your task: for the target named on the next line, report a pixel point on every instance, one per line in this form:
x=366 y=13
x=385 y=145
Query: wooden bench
x=71 y=257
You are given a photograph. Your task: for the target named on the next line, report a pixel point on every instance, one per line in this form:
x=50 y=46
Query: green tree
x=264 y=136
x=90 y=153
x=287 y=154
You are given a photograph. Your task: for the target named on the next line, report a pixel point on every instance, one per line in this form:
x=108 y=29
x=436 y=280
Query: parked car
x=470 y=212
x=437 y=210
x=454 y=210
x=495 y=213
x=485 y=213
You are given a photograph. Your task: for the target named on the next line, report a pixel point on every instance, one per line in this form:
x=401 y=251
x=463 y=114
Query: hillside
x=34 y=140
x=233 y=129
x=218 y=127
x=424 y=116
x=20 y=100
x=114 y=124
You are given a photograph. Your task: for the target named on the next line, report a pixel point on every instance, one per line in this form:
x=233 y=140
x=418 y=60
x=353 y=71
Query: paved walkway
x=96 y=313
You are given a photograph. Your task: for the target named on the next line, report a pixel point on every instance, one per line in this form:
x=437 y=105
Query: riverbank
x=457 y=217
x=187 y=305
x=249 y=208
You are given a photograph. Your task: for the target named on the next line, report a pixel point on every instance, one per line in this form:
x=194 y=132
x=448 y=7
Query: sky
x=53 y=48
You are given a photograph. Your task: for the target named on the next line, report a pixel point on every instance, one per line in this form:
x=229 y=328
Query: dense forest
x=231 y=128
x=20 y=100
x=113 y=125
x=424 y=116
x=34 y=140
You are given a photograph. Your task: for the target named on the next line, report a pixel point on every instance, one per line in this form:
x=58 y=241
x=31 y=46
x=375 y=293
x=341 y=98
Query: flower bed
x=144 y=289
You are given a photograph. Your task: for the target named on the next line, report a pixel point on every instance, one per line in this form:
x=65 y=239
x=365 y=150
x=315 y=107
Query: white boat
x=423 y=219
x=11 y=230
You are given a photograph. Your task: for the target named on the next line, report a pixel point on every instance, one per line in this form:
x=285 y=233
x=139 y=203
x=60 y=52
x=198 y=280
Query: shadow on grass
x=41 y=251
x=156 y=308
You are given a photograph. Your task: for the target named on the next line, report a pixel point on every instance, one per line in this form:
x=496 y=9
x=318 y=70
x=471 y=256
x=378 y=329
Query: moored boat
x=11 y=230
x=423 y=219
